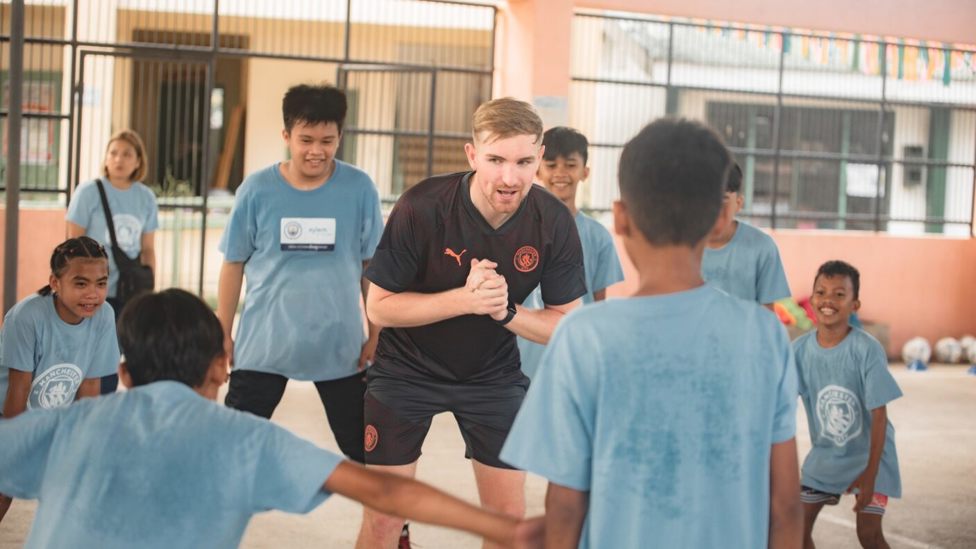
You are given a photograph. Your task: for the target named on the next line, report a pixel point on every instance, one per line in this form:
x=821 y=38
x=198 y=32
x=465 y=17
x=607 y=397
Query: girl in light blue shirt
x=133 y=208
x=59 y=342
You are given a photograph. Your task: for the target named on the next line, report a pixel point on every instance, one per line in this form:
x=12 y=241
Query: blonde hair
x=132 y=138
x=504 y=118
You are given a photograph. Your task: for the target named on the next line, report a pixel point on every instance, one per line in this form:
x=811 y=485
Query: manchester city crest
x=56 y=387
x=839 y=412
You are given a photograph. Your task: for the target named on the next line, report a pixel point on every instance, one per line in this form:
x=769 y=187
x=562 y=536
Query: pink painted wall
x=940 y=20
x=923 y=286
x=40 y=232
x=532 y=48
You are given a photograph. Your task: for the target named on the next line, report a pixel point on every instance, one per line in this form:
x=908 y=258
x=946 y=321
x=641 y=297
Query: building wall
x=40 y=231
x=942 y=20
x=921 y=286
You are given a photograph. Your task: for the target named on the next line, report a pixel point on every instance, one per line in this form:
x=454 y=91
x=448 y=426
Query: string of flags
x=898 y=59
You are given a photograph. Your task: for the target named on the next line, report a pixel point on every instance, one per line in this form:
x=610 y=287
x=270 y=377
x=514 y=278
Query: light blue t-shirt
x=134 y=212
x=748 y=266
x=839 y=387
x=602 y=269
x=156 y=466
x=303 y=254
x=60 y=355
x=664 y=409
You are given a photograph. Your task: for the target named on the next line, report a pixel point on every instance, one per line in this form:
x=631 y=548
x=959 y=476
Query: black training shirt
x=430 y=238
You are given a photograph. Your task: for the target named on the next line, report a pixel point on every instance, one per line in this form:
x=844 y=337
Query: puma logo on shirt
x=457 y=256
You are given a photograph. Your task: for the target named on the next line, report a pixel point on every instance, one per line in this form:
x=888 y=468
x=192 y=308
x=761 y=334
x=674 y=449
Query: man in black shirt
x=459 y=254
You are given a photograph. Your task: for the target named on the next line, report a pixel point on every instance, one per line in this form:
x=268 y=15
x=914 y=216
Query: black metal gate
x=414 y=72
x=166 y=98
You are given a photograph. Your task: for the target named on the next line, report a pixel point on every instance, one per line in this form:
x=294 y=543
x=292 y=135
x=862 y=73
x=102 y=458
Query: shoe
x=404 y=537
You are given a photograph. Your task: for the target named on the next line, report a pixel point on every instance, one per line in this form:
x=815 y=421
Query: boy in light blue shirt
x=739 y=258
x=163 y=466
x=562 y=169
x=666 y=419
x=845 y=386
x=302 y=231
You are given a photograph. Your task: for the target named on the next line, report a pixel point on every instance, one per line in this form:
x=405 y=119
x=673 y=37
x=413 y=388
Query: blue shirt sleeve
x=880 y=386
x=784 y=419
x=26 y=441
x=106 y=356
x=238 y=240
x=19 y=342
x=290 y=472
x=80 y=209
x=607 y=267
x=372 y=223
x=553 y=432
x=152 y=217
x=797 y=364
x=771 y=284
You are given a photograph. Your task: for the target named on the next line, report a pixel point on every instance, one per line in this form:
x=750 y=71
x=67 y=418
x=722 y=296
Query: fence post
x=14 y=118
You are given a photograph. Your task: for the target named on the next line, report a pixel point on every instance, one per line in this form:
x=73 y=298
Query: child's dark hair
x=672 y=180
x=171 y=335
x=734 y=182
x=563 y=141
x=837 y=267
x=81 y=247
x=312 y=105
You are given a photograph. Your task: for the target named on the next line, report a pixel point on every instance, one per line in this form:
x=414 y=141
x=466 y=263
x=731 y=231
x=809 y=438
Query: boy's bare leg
x=381 y=531
x=501 y=490
x=869 y=531
x=4 y=505
x=810 y=512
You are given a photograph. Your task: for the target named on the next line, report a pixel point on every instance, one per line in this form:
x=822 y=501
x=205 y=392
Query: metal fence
x=832 y=132
x=191 y=77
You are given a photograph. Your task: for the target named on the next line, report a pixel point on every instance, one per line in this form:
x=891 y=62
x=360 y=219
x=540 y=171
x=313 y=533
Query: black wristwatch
x=508 y=315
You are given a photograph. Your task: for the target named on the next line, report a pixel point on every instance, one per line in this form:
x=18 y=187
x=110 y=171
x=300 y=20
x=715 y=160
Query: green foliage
x=172 y=187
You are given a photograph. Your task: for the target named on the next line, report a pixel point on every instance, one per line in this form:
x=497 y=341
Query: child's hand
x=864 y=484
x=530 y=533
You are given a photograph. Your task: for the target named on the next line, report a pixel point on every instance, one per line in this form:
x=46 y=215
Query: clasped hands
x=487 y=290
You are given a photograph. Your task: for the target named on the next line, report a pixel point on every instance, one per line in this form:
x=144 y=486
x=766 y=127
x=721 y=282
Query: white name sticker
x=315 y=234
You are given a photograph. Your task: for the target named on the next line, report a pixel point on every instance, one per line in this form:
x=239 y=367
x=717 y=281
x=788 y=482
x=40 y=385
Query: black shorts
x=399 y=412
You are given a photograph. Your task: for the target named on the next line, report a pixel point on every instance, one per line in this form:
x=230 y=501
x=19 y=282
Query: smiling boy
x=301 y=232
x=845 y=386
x=561 y=172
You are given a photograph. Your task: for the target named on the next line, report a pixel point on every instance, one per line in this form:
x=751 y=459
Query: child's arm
x=785 y=511
x=228 y=296
x=18 y=389
x=865 y=481
x=565 y=513
x=90 y=387
x=407 y=498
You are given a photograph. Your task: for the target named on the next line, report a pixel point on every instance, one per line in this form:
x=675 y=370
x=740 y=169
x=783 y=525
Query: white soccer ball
x=916 y=348
x=967 y=342
x=948 y=350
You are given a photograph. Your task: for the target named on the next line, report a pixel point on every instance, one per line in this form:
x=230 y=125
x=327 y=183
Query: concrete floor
x=936 y=436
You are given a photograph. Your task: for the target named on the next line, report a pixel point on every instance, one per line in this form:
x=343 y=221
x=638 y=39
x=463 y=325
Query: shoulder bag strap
x=108 y=213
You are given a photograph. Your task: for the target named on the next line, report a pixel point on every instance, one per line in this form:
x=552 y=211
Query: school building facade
x=857 y=137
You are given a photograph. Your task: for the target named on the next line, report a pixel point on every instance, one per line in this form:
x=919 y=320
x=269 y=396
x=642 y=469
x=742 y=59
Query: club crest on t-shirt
x=839 y=412
x=56 y=387
x=128 y=232
x=526 y=259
